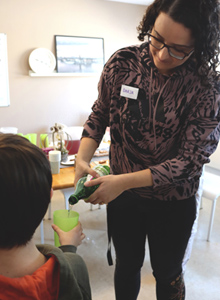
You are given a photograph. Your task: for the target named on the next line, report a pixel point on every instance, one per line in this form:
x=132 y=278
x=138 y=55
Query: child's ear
x=51 y=193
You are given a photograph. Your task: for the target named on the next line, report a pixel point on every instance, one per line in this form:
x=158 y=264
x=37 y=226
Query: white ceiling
x=139 y=2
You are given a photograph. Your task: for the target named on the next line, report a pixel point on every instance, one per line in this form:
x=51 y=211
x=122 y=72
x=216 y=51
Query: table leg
x=66 y=193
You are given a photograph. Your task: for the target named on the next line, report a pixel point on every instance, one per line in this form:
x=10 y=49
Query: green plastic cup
x=65 y=220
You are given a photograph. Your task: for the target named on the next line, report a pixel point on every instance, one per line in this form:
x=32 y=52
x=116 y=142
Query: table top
x=65 y=179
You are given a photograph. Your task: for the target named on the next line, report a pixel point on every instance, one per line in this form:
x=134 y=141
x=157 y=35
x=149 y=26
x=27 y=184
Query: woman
x=160 y=100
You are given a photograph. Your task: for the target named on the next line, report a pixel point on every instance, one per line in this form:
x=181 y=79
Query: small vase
x=64 y=157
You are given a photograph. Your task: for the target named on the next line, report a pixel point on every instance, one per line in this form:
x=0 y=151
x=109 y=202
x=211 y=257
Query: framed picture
x=79 y=55
x=4 y=83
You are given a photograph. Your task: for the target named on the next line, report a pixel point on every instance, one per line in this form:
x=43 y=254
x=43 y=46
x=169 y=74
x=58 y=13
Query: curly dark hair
x=202 y=17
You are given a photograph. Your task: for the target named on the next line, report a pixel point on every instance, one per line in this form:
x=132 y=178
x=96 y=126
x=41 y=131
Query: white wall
x=37 y=103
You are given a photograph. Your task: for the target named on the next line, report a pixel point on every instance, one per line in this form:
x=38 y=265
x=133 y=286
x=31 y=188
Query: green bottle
x=83 y=192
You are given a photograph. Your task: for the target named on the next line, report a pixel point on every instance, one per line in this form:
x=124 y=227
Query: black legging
x=168 y=227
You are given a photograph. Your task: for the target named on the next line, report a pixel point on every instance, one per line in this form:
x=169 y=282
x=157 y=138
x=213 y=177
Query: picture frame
x=82 y=56
x=4 y=81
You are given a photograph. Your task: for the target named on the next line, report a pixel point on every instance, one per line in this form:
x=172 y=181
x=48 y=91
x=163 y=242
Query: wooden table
x=65 y=179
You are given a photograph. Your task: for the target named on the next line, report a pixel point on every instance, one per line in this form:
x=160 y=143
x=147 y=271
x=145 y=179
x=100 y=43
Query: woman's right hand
x=82 y=168
x=84 y=156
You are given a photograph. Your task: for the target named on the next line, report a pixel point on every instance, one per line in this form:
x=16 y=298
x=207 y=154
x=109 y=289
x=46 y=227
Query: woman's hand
x=83 y=168
x=111 y=186
x=73 y=237
x=86 y=150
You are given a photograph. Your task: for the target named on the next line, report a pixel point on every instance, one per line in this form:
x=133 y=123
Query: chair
x=211 y=191
x=211 y=185
x=32 y=137
x=44 y=140
x=74 y=134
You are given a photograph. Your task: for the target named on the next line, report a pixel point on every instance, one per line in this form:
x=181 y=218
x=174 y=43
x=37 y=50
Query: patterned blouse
x=168 y=123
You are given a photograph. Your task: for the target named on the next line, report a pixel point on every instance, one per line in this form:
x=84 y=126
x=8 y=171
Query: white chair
x=211 y=191
x=211 y=184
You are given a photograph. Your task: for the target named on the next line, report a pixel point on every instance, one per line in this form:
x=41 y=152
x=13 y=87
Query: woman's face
x=172 y=34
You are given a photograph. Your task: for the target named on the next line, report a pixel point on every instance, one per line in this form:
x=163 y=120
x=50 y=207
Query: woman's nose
x=164 y=54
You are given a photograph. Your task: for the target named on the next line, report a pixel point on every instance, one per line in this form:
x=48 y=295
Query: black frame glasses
x=169 y=48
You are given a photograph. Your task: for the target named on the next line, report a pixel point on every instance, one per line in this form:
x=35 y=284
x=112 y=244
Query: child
x=28 y=271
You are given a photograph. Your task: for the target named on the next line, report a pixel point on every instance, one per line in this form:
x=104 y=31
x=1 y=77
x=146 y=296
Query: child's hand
x=72 y=237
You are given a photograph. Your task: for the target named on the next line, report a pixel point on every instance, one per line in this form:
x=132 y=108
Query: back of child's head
x=25 y=185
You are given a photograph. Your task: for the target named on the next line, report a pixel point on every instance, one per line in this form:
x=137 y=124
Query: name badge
x=129 y=91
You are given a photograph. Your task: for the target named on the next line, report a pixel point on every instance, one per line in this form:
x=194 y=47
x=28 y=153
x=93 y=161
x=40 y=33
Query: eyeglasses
x=158 y=44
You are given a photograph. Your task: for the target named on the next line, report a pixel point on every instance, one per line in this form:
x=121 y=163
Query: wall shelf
x=56 y=74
